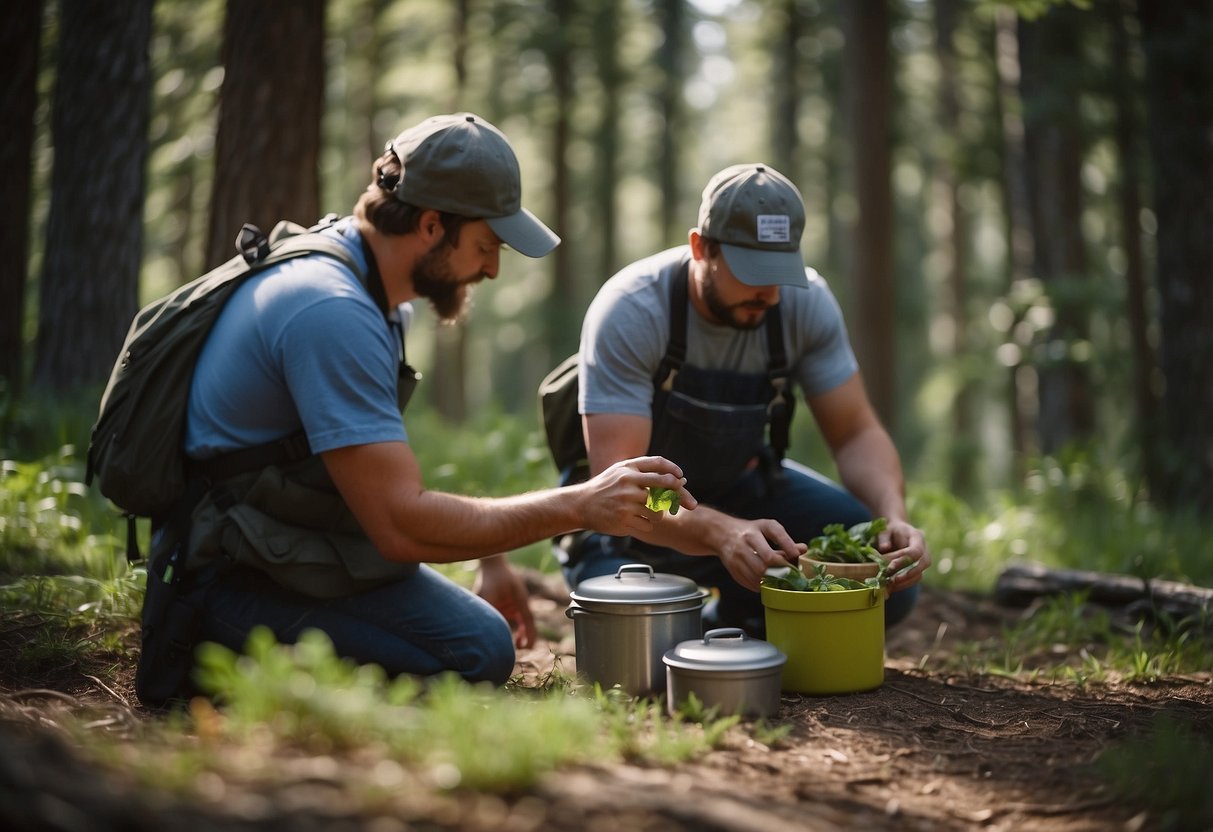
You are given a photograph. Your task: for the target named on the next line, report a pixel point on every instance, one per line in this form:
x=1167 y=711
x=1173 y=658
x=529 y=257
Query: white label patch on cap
x=774 y=228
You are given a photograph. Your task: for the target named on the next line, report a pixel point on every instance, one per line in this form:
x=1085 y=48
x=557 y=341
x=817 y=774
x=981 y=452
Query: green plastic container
x=834 y=641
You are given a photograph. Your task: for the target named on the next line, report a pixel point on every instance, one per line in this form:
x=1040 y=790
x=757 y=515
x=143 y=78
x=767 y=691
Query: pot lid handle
x=635 y=567
x=723 y=632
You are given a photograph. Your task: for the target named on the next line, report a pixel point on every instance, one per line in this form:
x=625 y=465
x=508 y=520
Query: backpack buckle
x=252 y=243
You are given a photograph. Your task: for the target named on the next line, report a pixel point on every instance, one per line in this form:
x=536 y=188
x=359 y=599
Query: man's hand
x=749 y=547
x=903 y=545
x=614 y=502
x=502 y=587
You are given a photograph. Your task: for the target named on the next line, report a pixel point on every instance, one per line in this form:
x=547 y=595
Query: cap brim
x=524 y=233
x=763 y=267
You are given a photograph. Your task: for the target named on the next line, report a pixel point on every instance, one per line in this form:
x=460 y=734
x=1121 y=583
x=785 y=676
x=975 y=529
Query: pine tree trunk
x=448 y=392
x=267 y=146
x=94 y=240
x=962 y=459
x=672 y=15
x=1018 y=229
x=1053 y=150
x=20 y=36
x=785 y=78
x=1137 y=303
x=1179 y=77
x=866 y=28
x=606 y=56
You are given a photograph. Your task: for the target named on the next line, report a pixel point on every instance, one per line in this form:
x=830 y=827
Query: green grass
x=52 y=523
x=1068 y=640
x=1076 y=512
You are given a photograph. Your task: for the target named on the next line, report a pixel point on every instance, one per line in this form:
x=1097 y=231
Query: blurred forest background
x=1012 y=201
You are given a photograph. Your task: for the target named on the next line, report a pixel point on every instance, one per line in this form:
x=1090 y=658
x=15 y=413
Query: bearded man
x=752 y=324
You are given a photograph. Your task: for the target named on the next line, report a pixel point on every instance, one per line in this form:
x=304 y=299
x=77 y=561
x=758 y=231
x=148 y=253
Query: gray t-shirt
x=627 y=327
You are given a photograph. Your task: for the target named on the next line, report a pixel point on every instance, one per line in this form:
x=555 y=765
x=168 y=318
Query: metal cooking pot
x=727 y=670
x=624 y=623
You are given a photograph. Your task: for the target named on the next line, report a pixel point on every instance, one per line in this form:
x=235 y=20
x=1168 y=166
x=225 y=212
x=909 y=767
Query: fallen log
x=1021 y=584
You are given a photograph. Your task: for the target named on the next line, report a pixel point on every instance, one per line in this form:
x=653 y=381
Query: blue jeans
x=805 y=503
x=422 y=626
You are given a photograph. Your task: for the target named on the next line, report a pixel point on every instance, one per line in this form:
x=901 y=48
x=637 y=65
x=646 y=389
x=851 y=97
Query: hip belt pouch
x=294 y=526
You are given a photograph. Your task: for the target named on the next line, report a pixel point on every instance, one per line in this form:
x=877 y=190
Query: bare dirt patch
x=927 y=750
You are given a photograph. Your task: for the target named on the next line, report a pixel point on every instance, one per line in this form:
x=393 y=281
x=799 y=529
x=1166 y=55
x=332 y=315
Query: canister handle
x=720 y=632
x=634 y=567
x=572 y=611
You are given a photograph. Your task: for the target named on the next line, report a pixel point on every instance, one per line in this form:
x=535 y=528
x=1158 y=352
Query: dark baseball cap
x=757 y=216
x=463 y=165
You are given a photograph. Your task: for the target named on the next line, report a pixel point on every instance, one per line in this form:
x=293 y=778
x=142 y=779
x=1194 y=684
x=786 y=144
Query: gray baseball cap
x=463 y=165
x=757 y=216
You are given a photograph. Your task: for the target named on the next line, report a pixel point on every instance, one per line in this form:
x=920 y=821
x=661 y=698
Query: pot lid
x=637 y=583
x=726 y=648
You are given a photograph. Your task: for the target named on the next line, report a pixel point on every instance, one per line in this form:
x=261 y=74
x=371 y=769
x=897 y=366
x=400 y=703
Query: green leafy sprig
x=821 y=581
x=838 y=544
x=662 y=499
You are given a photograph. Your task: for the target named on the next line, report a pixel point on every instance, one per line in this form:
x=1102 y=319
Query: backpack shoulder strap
x=782 y=404
x=288 y=241
x=676 y=348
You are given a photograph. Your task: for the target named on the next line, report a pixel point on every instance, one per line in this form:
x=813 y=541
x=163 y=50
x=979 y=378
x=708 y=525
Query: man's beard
x=726 y=314
x=433 y=280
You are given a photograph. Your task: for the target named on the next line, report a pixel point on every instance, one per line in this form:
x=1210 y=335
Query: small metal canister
x=725 y=669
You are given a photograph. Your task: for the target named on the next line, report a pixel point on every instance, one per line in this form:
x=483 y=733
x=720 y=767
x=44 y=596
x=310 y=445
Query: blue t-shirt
x=627 y=327
x=300 y=345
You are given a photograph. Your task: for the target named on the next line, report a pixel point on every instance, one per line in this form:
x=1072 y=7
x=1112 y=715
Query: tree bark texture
x=1021 y=405
x=786 y=88
x=1178 y=39
x=870 y=90
x=606 y=141
x=670 y=57
x=564 y=306
x=449 y=379
x=20 y=36
x=1127 y=132
x=94 y=239
x=267 y=146
x=1050 y=84
x=963 y=457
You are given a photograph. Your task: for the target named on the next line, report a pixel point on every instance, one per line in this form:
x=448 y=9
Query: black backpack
x=558 y=391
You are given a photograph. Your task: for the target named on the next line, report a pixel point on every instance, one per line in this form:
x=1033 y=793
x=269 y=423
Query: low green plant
x=770 y=735
x=52 y=523
x=1146 y=770
x=1069 y=639
x=72 y=620
x=473 y=736
x=1076 y=510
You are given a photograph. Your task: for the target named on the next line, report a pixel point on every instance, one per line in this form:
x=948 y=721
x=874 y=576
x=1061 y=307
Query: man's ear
x=697 y=247
x=429 y=227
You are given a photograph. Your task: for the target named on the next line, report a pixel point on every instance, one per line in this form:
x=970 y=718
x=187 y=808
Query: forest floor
x=926 y=750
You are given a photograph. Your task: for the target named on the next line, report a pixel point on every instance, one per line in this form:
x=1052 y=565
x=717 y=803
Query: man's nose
x=492 y=265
